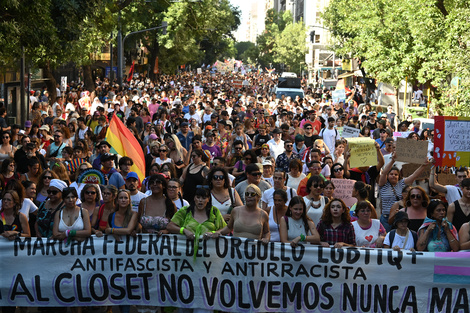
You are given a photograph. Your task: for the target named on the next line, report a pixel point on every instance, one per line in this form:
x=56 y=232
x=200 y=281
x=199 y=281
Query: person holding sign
x=453 y=193
x=391 y=185
x=296 y=226
x=437 y=234
x=335 y=227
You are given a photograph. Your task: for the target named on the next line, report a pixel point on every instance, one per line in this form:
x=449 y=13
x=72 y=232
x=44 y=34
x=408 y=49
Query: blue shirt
x=185 y=141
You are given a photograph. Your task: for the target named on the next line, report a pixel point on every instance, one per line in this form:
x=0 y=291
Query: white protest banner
x=230 y=275
x=363 y=152
x=343 y=190
x=199 y=70
x=411 y=151
x=349 y=132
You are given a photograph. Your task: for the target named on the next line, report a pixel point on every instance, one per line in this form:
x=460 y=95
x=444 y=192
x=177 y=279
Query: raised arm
x=434 y=184
x=386 y=169
x=410 y=179
x=380 y=157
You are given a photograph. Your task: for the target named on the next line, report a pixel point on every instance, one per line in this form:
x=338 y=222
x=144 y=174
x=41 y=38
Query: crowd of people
x=223 y=161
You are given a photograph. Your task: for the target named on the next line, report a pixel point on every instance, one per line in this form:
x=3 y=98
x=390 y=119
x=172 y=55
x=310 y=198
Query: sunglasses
x=415 y=197
x=47 y=177
x=308 y=127
x=172 y=187
x=218 y=177
x=289 y=146
x=318 y=186
x=155 y=182
x=337 y=169
x=238 y=148
x=57 y=136
x=90 y=192
x=6 y=137
x=256 y=174
x=52 y=192
x=250 y=194
x=248 y=159
x=164 y=150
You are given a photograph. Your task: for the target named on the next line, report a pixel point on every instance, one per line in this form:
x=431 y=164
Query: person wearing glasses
x=369 y=231
x=248 y=221
x=43 y=184
x=6 y=148
x=90 y=198
x=48 y=209
x=415 y=203
x=282 y=161
x=338 y=171
x=156 y=211
x=223 y=196
x=174 y=192
x=249 y=157
x=162 y=156
x=54 y=151
x=314 y=200
x=253 y=174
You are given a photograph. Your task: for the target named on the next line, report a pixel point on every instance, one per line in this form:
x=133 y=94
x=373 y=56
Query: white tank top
x=77 y=225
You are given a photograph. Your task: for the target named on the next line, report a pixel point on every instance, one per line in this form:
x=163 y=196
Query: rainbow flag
x=125 y=144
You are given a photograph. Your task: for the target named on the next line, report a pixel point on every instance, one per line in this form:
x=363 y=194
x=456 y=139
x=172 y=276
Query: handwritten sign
x=343 y=190
x=409 y=169
x=401 y=134
x=457 y=136
x=446 y=179
x=411 y=151
x=452 y=141
x=350 y=132
x=363 y=152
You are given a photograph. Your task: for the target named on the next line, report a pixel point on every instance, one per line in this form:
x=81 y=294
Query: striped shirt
x=390 y=194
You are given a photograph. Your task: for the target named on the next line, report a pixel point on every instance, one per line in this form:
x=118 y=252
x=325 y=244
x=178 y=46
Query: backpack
x=413 y=233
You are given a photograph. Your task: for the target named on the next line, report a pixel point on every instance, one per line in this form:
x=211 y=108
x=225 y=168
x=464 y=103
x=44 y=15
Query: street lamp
x=121 y=43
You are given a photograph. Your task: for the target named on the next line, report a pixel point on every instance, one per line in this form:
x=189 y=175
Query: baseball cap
x=132 y=175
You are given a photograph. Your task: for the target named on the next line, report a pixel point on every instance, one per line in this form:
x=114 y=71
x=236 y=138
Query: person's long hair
x=16 y=200
x=201 y=192
x=41 y=179
x=170 y=209
x=128 y=213
x=305 y=219
x=424 y=197
x=327 y=218
x=210 y=176
x=178 y=147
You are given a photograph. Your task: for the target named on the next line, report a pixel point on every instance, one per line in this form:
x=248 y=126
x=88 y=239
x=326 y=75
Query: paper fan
x=91 y=176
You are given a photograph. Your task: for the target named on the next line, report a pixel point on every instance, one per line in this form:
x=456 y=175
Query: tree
x=395 y=41
x=290 y=46
x=242 y=47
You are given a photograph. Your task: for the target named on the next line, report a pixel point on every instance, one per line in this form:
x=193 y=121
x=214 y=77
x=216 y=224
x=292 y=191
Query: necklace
x=297 y=223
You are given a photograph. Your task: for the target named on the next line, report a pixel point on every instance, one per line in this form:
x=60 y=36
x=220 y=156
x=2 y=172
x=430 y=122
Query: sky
x=244 y=6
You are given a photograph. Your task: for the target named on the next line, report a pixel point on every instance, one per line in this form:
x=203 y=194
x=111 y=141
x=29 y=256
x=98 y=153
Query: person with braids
x=156 y=211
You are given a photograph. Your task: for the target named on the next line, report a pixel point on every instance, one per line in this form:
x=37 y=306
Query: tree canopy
x=426 y=42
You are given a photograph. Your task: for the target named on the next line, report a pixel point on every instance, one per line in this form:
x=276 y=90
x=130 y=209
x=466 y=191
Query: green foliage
x=290 y=46
x=242 y=47
x=427 y=42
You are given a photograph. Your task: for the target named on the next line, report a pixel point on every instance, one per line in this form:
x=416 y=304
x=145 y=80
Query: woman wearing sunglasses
x=248 y=221
x=314 y=200
x=90 y=198
x=48 y=208
x=223 y=196
x=416 y=202
x=43 y=184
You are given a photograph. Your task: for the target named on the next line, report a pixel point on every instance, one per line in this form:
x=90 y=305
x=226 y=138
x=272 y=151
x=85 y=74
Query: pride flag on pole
x=125 y=144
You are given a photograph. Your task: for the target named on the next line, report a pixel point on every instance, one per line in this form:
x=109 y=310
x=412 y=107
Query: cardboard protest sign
x=363 y=152
x=409 y=169
x=411 y=151
x=343 y=190
x=446 y=179
x=349 y=132
x=452 y=141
